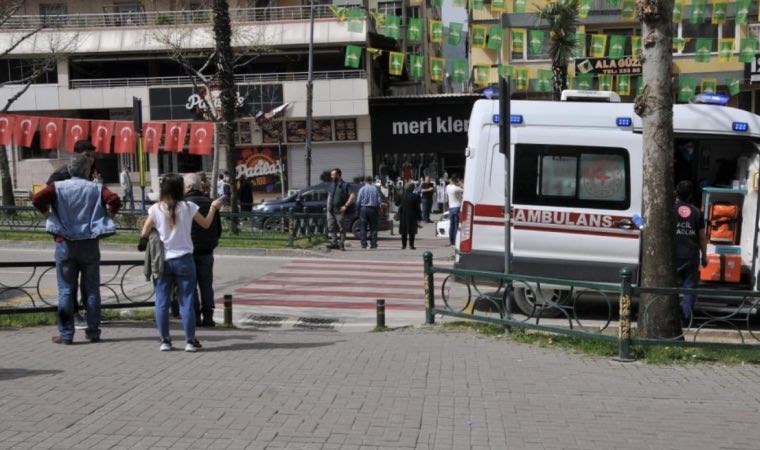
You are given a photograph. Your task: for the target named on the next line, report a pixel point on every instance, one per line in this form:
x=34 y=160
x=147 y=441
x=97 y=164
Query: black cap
x=83 y=145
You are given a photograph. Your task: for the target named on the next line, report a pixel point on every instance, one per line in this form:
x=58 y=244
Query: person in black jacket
x=204 y=243
x=410 y=215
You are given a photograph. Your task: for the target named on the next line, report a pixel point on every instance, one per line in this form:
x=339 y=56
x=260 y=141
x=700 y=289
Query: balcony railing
x=165 y=18
x=241 y=78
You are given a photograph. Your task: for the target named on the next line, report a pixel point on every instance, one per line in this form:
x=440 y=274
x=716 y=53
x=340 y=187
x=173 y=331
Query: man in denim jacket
x=77 y=216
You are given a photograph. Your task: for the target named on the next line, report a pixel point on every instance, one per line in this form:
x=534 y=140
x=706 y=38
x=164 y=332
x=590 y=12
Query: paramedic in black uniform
x=690 y=242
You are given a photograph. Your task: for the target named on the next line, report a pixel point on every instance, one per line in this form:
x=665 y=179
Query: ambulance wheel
x=533 y=305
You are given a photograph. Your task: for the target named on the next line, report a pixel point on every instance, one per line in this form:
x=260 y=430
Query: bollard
x=624 y=329
x=228 y=310
x=380 y=313
x=427 y=258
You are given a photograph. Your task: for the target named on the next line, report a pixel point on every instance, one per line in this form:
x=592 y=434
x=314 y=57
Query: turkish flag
x=51 y=130
x=24 y=131
x=7 y=123
x=174 y=141
x=101 y=135
x=124 y=137
x=76 y=130
x=152 y=136
x=201 y=138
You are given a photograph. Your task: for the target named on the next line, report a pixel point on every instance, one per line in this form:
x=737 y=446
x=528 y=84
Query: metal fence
x=558 y=306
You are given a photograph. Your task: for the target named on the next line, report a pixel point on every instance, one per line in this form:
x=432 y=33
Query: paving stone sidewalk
x=310 y=389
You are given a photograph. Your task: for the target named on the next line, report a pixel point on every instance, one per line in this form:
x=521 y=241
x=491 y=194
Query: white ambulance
x=576 y=183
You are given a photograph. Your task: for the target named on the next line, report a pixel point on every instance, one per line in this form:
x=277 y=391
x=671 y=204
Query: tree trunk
x=225 y=73
x=658 y=314
x=5 y=178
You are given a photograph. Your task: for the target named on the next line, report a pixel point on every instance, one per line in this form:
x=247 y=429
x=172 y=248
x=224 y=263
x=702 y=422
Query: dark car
x=311 y=200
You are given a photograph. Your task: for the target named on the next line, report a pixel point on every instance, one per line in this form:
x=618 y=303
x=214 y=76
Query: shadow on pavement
x=13 y=374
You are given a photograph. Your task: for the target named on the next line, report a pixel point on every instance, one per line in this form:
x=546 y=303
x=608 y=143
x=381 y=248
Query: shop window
x=691 y=32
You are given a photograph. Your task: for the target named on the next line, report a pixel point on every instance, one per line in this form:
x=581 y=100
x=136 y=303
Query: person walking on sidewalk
x=427 y=190
x=204 y=243
x=126 y=187
x=454 y=192
x=410 y=215
x=78 y=214
x=173 y=218
x=369 y=201
x=340 y=209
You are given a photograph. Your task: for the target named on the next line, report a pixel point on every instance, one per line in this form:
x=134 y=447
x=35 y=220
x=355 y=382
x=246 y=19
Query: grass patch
x=381 y=329
x=26 y=320
x=653 y=354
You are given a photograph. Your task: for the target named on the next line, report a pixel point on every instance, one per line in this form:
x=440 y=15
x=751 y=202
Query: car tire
x=535 y=306
x=270 y=224
x=356 y=229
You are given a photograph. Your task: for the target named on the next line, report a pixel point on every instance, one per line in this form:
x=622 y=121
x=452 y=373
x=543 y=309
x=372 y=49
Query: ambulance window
x=572 y=176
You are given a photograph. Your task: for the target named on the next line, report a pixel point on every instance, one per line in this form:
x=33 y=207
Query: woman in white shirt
x=173 y=219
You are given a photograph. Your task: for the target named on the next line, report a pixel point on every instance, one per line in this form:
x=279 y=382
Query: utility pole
x=309 y=93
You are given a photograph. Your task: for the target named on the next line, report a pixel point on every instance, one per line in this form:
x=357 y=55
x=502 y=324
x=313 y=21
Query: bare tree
x=658 y=314
x=56 y=45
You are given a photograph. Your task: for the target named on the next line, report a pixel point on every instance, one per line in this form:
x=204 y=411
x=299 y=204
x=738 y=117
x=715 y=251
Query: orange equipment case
x=723 y=223
x=724 y=268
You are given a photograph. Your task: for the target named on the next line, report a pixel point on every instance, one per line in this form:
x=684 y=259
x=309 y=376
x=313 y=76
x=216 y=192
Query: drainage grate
x=316 y=323
x=262 y=321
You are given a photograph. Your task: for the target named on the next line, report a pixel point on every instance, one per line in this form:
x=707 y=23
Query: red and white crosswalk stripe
x=331 y=284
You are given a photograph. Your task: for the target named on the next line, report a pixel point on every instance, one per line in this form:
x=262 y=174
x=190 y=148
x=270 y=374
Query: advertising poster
x=262 y=166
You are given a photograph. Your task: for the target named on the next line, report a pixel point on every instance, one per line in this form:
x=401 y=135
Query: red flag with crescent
x=76 y=130
x=23 y=134
x=102 y=130
x=152 y=136
x=51 y=130
x=201 y=138
x=174 y=140
x=124 y=137
x=7 y=124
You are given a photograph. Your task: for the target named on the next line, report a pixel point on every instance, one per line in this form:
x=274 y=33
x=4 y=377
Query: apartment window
x=17 y=70
x=573 y=176
x=691 y=32
x=53 y=14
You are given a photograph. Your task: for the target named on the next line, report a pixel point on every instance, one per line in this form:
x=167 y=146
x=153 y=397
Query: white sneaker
x=189 y=347
x=166 y=345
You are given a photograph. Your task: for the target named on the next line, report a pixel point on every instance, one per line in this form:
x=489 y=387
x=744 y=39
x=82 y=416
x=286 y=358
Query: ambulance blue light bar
x=514 y=119
x=624 y=121
x=711 y=99
x=741 y=127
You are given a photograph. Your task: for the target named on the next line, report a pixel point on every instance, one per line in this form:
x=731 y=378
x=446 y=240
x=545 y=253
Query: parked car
x=442 y=226
x=311 y=199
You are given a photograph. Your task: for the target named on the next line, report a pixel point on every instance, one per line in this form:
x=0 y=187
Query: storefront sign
x=186 y=103
x=262 y=166
x=607 y=66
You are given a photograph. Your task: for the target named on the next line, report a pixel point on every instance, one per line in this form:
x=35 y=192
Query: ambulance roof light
x=572 y=95
x=624 y=121
x=708 y=98
x=514 y=119
x=741 y=127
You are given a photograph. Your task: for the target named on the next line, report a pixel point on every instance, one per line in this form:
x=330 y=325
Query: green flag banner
x=518 y=37
x=356 y=20
x=416 y=66
x=742 y=10
x=617 y=46
x=636 y=46
x=639 y=85
x=455 y=33
x=677 y=11
x=482 y=74
x=459 y=3
x=505 y=70
x=605 y=82
x=580 y=45
x=734 y=85
x=628 y=9
x=437 y=68
x=747 y=50
x=479 y=33
x=613 y=3
x=392 y=28
x=436 y=31
x=476 y=4
x=679 y=44
x=703 y=50
x=584 y=81
x=519 y=6
x=498 y=5
x=598 y=45
x=544 y=80
x=687 y=87
x=698 y=12
x=719 y=13
x=521 y=79
x=353 y=56
x=725 y=49
x=623 y=85
x=495 y=37
x=414 y=30
x=584 y=6
x=395 y=63
x=459 y=70
x=709 y=85
x=438 y=3
x=536 y=40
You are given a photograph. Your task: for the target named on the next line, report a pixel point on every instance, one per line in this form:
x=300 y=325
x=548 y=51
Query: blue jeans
x=180 y=272
x=368 y=218
x=204 y=273
x=453 y=224
x=427 y=205
x=688 y=272
x=73 y=258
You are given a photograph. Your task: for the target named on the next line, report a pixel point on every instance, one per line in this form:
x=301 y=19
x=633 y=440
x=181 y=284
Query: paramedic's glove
x=143 y=244
x=704 y=261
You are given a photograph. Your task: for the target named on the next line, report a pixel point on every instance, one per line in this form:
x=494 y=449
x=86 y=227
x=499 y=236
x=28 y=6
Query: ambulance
x=576 y=176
